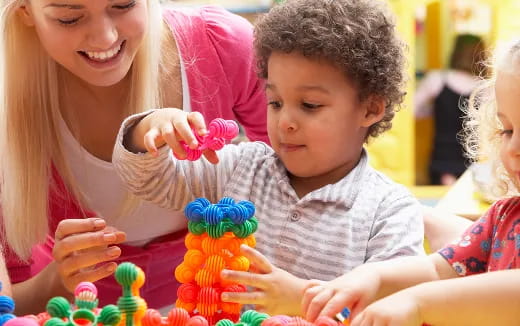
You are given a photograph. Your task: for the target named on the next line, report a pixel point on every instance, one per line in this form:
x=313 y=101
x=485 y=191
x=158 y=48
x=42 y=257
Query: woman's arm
x=31 y=296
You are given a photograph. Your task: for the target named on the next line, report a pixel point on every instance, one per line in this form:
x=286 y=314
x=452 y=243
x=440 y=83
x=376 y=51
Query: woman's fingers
x=84 y=241
x=91 y=275
x=72 y=226
x=86 y=259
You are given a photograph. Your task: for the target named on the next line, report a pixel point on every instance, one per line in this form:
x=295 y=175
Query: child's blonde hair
x=29 y=116
x=482 y=130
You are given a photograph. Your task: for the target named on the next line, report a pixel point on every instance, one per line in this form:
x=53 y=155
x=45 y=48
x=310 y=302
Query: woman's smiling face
x=96 y=40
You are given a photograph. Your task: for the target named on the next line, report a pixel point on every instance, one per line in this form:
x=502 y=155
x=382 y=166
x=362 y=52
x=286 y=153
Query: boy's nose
x=103 y=34
x=286 y=121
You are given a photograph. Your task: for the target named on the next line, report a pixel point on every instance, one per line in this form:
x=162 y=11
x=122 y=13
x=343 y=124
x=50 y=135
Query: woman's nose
x=103 y=34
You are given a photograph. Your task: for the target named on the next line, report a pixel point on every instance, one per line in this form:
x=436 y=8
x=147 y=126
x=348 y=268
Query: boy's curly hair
x=357 y=36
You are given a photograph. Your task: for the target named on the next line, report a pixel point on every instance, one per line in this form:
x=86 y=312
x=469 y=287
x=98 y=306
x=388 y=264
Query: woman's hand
x=354 y=290
x=168 y=126
x=83 y=250
x=275 y=291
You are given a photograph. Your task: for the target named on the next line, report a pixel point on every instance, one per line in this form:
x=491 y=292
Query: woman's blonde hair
x=29 y=117
x=482 y=128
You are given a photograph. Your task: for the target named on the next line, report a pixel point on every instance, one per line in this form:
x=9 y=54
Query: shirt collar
x=345 y=190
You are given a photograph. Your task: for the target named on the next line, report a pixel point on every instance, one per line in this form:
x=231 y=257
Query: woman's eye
x=69 y=22
x=127 y=6
x=506 y=132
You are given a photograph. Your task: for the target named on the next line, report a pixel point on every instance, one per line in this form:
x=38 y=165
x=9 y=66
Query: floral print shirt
x=492 y=243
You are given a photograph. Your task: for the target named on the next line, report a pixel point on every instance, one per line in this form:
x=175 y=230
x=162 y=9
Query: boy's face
x=507 y=90
x=316 y=123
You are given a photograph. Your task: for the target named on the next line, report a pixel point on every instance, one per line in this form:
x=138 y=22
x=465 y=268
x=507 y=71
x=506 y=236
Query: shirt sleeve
x=397 y=230
x=172 y=183
x=230 y=33
x=470 y=253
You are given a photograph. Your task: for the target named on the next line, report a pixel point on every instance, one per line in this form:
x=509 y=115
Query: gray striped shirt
x=364 y=217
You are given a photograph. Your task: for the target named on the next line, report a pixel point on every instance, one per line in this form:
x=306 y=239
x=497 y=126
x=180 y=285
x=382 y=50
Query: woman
x=72 y=70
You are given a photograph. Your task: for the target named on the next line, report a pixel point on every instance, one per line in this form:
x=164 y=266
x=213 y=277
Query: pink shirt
x=216 y=49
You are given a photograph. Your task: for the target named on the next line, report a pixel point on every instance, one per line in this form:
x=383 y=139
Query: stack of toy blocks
x=216 y=232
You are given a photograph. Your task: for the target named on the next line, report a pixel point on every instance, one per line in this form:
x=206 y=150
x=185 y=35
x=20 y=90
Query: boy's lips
x=290 y=147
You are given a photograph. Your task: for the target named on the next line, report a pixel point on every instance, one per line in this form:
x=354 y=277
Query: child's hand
x=399 y=309
x=276 y=291
x=354 y=290
x=80 y=248
x=168 y=126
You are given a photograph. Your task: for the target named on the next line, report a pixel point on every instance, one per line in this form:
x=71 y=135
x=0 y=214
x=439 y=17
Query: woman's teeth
x=107 y=55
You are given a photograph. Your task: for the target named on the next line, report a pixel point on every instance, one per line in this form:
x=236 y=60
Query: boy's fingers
x=211 y=156
x=72 y=226
x=197 y=121
x=149 y=140
x=246 y=278
x=255 y=297
x=185 y=133
x=257 y=259
x=169 y=135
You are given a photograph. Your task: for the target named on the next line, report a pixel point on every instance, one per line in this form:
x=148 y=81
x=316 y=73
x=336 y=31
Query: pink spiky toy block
x=219 y=132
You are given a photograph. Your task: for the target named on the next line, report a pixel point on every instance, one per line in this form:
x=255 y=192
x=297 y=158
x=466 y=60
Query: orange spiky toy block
x=216 y=233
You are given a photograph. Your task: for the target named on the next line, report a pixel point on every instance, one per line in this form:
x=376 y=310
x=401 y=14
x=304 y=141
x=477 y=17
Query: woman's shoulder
x=218 y=23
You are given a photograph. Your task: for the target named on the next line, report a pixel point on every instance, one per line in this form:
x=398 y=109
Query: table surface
x=461 y=199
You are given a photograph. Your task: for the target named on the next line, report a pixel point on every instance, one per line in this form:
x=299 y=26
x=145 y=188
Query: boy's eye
x=506 y=132
x=275 y=104
x=311 y=106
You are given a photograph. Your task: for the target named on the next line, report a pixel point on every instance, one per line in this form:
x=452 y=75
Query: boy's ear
x=25 y=14
x=374 y=110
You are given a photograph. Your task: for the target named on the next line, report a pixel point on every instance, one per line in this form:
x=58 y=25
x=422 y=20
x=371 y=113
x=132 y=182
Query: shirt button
x=295 y=217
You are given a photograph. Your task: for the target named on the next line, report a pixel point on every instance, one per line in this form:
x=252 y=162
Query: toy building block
x=248 y=318
x=216 y=232
x=85 y=311
x=298 y=321
x=132 y=306
x=6 y=308
x=219 y=131
x=344 y=316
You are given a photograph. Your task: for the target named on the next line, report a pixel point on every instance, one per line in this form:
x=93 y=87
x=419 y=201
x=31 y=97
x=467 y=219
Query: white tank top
x=105 y=192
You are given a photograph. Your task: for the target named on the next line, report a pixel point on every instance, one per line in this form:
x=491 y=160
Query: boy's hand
x=276 y=291
x=168 y=126
x=354 y=290
x=81 y=249
x=399 y=309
